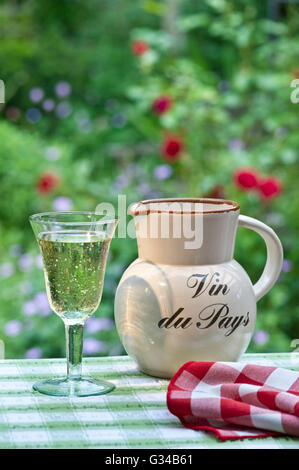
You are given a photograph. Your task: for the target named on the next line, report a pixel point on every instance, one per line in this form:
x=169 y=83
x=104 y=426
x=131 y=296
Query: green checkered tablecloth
x=134 y=415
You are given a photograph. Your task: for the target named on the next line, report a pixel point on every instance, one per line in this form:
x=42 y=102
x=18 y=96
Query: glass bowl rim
x=38 y=218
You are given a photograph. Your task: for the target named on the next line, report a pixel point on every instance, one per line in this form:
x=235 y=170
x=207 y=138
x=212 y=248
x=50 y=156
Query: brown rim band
x=140 y=208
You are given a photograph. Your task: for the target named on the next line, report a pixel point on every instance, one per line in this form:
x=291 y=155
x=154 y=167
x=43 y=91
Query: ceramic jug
x=183 y=300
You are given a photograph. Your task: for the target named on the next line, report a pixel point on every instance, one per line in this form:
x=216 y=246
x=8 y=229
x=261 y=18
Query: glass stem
x=74 y=343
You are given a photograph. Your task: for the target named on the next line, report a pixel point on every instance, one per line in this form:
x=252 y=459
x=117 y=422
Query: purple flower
x=36 y=94
x=63 y=110
x=223 y=86
x=53 y=153
x=118 y=120
x=33 y=353
x=236 y=145
x=93 y=325
x=110 y=284
x=15 y=250
x=39 y=261
x=281 y=132
x=93 y=346
x=163 y=172
x=48 y=105
x=62 y=204
x=81 y=116
x=134 y=170
x=145 y=148
x=83 y=121
x=39 y=304
x=33 y=115
x=25 y=287
x=63 y=89
x=261 y=337
x=275 y=218
x=25 y=262
x=101 y=123
x=111 y=105
x=286 y=266
x=146 y=191
x=7 y=269
x=122 y=181
x=13 y=328
x=42 y=303
x=29 y=308
x=85 y=126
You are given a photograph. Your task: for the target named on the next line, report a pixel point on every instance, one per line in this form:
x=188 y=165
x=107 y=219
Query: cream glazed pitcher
x=186 y=299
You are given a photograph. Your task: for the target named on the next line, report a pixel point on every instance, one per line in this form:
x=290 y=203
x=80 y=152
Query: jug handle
x=274 y=261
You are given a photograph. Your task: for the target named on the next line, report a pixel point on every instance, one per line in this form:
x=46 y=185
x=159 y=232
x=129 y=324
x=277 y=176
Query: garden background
x=148 y=99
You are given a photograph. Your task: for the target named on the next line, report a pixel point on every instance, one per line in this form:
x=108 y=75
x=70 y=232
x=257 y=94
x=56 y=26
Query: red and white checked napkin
x=236 y=400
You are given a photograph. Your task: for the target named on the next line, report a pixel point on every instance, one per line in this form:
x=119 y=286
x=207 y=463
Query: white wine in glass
x=74 y=248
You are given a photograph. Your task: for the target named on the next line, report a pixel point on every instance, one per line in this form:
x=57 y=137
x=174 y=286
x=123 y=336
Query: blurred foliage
x=227 y=68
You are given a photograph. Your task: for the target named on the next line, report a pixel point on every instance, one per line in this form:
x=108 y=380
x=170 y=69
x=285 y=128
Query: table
x=133 y=416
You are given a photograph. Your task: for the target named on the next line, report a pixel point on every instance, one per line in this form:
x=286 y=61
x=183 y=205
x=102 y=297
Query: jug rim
x=139 y=208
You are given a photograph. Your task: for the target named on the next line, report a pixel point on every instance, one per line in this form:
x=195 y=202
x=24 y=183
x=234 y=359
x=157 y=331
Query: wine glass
x=74 y=248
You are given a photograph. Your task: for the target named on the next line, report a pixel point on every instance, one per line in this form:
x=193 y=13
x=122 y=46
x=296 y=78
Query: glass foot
x=73 y=388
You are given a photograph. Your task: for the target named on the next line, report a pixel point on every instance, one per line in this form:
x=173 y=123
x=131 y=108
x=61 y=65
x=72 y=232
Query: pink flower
x=172 y=147
x=139 y=47
x=161 y=105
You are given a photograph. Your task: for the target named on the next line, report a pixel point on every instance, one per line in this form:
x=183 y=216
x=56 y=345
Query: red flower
x=296 y=73
x=139 y=47
x=172 y=147
x=217 y=192
x=47 y=182
x=161 y=104
x=270 y=187
x=246 y=178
